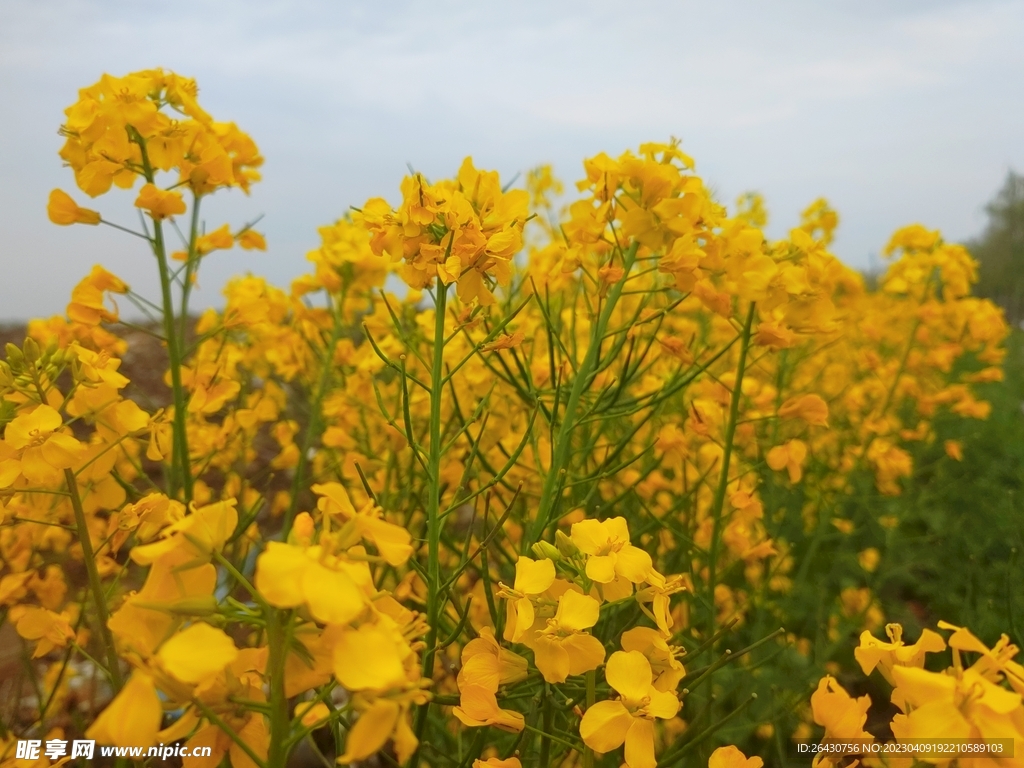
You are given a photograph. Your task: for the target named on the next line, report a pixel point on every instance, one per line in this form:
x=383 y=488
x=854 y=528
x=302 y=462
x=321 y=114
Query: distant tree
x=1000 y=249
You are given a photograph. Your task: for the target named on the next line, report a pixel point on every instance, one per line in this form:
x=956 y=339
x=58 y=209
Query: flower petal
x=605 y=725
x=629 y=673
x=640 y=744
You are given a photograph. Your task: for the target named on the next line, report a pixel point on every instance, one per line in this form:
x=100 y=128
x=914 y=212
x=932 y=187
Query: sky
x=897 y=111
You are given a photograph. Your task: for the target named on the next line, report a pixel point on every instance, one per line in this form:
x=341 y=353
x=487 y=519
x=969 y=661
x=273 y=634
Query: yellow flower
x=312 y=715
x=201 y=533
x=87 y=305
x=809 y=408
x=873 y=653
x=789 y=456
x=64 y=211
x=954 y=449
x=869 y=558
x=51 y=630
x=658 y=593
x=478 y=706
x=45 y=451
x=630 y=719
x=197 y=652
x=533 y=577
x=563 y=648
x=376 y=724
x=494 y=762
x=370 y=657
x=132 y=718
x=842 y=716
x=159 y=203
x=486 y=663
x=485 y=667
x=251 y=240
x=730 y=757
x=288 y=576
x=961 y=705
x=665 y=665
x=392 y=541
x=611 y=554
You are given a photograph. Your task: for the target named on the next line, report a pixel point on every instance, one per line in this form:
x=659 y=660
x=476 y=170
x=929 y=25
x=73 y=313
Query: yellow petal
x=197 y=652
x=62 y=451
x=664 y=704
x=37 y=470
x=368 y=658
x=601 y=568
x=640 y=744
x=629 y=673
x=392 y=541
x=132 y=719
x=523 y=619
x=576 y=611
x=533 y=576
x=371 y=731
x=605 y=725
x=551 y=659
x=585 y=653
x=730 y=757
x=255 y=735
x=633 y=563
x=589 y=536
x=279 y=570
x=332 y=596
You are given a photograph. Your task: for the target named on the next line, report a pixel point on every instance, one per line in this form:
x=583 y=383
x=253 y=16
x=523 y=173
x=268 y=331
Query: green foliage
x=1000 y=249
x=959 y=553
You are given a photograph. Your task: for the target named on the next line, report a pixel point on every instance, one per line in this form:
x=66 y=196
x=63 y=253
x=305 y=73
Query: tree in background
x=1000 y=249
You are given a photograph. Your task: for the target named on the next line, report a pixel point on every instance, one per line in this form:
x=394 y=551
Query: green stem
x=434 y=501
x=280 y=724
x=180 y=455
x=212 y=716
x=184 y=466
x=545 y=739
x=191 y=265
x=718 y=504
x=95 y=585
x=563 y=441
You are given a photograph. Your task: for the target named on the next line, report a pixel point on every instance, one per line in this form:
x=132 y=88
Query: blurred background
x=896 y=112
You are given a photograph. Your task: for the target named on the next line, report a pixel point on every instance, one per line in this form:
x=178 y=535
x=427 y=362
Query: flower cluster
x=520 y=521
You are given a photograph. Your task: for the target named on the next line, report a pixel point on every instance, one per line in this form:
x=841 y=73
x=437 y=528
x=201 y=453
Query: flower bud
x=565 y=545
x=14 y=357
x=545 y=550
x=31 y=348
x=302 y=530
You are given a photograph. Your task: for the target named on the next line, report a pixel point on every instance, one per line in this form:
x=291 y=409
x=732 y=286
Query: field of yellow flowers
x=601 y=485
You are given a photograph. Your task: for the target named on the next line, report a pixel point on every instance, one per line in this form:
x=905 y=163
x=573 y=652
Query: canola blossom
x=549 y=505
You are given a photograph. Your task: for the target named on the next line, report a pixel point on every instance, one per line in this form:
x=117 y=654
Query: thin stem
x=95 y=585
x=563 y=442
x=434 y=500
x=181 y=452
x=718 y=504
x=280 y=723
x=545 y=739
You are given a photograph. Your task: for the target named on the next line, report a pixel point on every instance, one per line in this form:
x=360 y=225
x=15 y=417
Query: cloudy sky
x=897 y=111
